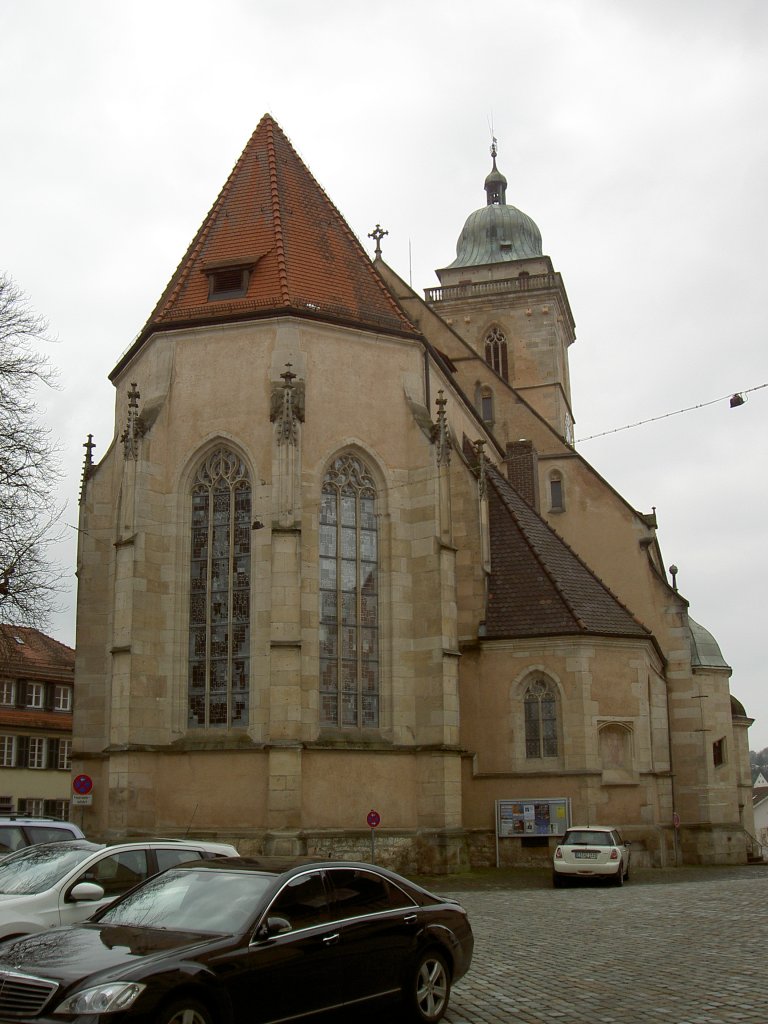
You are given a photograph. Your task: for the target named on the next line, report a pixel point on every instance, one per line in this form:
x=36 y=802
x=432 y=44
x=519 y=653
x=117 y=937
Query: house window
x=57 y=809
x=496 y=352
x=62 y=698
x=219 y=602
x=349 y=658
x=36 y=752
x=7 y=692
x=32 y=807
x=540 y=719
x=7 y=751
x=718 y=752
x=556 y=493
x=64 y=755
x=35 y=695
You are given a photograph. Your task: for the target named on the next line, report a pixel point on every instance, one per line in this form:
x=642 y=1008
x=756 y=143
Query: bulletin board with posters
x=525 y=818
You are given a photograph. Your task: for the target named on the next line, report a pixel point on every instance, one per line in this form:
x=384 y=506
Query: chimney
x=523 y=470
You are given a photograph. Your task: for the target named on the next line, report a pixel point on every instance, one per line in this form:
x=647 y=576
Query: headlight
x=102 y=998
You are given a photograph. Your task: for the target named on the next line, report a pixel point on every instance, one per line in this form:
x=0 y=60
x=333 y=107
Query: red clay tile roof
x=37 y=656
x=273 y=215
x=51 y=721
x=539 y=586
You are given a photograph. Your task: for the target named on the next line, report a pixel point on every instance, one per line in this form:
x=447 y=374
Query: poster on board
x=532 y=817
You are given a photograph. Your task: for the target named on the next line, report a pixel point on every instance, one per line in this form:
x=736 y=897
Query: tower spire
x=495 y=183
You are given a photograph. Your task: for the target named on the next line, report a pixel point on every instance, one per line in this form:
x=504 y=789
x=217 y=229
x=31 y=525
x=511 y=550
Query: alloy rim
x=431 y=989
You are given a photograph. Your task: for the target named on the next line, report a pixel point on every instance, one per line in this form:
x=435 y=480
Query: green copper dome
x=497 y=233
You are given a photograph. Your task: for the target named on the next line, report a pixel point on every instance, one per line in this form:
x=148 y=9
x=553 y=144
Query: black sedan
x=227 y=941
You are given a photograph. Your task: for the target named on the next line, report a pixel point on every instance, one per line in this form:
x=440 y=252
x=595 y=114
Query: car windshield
x=188 y=900
x=588 y=839
x=37 y=868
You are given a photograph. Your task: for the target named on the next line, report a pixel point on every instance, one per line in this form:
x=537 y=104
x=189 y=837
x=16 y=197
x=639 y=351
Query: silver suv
x=17 y=832
x=64 y=883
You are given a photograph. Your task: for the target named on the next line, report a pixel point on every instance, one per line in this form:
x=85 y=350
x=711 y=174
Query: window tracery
x=496 y=352
x=219 y=600
x=349 y=633
x=541 y=727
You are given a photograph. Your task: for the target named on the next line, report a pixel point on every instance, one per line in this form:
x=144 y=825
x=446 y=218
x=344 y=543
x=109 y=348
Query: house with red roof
x=36 y=701
x=342 y=555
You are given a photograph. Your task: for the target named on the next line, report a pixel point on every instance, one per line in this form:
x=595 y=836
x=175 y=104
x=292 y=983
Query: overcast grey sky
x=634 y=132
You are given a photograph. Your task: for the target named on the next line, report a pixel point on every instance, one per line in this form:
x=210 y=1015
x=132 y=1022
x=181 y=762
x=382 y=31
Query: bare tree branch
x=29 y=467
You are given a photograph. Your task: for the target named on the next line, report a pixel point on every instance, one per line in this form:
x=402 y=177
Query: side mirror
x=273 y=926
x=86 y=892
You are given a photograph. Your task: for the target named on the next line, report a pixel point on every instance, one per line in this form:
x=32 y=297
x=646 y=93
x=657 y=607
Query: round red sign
x=373 y=819
x=82 y=784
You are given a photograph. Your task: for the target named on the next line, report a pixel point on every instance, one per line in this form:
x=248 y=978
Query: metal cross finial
x=377 y=234
x=494 y=148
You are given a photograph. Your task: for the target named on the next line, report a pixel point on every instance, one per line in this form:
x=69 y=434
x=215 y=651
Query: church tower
x=504 y=298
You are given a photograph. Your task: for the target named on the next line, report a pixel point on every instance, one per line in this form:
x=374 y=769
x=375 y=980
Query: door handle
x=410 y=918
x=331 y=940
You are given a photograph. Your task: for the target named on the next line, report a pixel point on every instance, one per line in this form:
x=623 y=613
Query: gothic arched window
x=349 y=643
x=540 y=719
x=496 y=352
x=220 y=593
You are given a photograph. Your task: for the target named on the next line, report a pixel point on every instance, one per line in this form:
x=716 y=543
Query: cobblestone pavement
x=689 y=952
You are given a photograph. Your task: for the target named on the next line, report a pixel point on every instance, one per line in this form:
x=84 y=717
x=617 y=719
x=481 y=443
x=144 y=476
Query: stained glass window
x=220 y=598
x=540 y=719
x=349 y=626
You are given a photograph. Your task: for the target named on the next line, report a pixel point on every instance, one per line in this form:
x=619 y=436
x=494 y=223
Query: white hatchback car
x=591 y=851
x=64 y=883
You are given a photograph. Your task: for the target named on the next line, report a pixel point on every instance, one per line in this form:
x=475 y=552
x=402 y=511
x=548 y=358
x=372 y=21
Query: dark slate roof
x=539 y=586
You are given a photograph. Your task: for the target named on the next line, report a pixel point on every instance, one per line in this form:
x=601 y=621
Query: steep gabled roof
x=539 y=586
x=274 y=219
x=29 y=653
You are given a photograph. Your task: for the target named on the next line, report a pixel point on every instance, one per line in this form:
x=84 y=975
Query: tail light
x=614 y=854
x=558 y=854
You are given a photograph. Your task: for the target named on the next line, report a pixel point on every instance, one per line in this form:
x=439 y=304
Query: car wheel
x=428 y=989
x=185 y=1011
x=618 y=878
x=557 y=880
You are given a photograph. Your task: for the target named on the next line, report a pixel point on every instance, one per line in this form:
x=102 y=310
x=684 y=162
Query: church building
x=344 y=578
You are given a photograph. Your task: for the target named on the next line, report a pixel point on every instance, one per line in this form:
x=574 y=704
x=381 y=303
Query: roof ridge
x=274 y=190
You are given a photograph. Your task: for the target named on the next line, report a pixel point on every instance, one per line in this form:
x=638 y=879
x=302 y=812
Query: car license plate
x=585 y=854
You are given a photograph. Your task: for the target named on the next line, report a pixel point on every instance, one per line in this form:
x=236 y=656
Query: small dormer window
x=227 y=284
x=228 y=281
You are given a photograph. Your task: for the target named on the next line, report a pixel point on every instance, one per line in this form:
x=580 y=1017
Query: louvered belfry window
x=349 y=621
x=219 y=602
